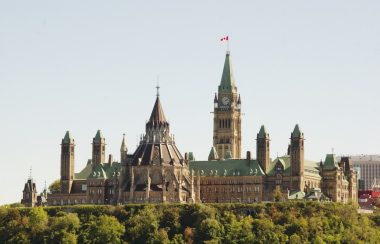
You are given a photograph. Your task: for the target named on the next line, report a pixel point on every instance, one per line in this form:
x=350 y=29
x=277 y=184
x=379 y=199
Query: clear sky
x=88 y=65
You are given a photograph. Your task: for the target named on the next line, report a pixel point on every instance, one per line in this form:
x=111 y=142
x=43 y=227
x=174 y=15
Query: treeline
x=286 y=222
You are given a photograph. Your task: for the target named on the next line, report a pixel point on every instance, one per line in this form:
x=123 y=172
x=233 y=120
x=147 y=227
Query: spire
x=99 y=136
x=213 y=154
x=67 y=138
x=123 y=147
x=262 y=133
x=297 y=132
x=215 y=98
x=157 y=116
x=330 y=162
x=227 y=82
x=239 y=100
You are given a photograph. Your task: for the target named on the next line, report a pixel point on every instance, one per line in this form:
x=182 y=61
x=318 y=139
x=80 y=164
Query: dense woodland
x=284 y=222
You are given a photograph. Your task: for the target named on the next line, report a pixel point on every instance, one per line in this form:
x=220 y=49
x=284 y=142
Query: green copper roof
x=191 y=156
x=86 y=171
x=67 y=138
x=98 y=137
x=330 y=162
x=262 y=133
x=296 y=132
x=309 y=165
x=213 y=155
x=227 y=82
x=106 y=170
x=296 y=195
x=230 y=167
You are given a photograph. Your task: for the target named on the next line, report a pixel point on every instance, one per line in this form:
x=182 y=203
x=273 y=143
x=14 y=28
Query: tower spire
x=157 y=114
x=227 y=83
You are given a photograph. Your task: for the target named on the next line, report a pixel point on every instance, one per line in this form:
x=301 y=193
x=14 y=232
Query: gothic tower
x=98 y=149
x=67 y=163
x=297 y=155
x=262 y=148
x=227 y=116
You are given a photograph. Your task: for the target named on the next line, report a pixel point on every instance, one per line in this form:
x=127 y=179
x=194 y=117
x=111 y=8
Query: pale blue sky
x=88 y=65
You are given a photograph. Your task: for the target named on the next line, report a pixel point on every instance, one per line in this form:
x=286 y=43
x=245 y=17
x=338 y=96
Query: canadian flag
x=224 y=38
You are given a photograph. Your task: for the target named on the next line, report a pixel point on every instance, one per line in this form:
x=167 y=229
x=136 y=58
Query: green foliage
x=63 y=229
x=104 y=229
x=235 y=223
x=55 y=187
x=143 y=226
x=210 y=230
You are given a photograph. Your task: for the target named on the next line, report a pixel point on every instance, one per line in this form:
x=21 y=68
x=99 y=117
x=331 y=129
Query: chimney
x=110 y=159
x=248 y=155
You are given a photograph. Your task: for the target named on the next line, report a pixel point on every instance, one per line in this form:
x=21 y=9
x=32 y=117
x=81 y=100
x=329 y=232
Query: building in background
x=369 y=166
x=29 y=194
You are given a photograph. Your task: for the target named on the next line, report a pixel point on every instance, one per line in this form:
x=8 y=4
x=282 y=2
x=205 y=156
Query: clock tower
x=227 y=116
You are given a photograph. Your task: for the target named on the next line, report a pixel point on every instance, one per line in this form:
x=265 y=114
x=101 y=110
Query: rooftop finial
x=158 y=86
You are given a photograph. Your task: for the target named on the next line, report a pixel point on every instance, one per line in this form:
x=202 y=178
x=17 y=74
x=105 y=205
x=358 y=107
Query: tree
x=295 y=239
x=171 y=220
x=143 y=226
x=188 y=235
x=63 y=229
x=210 y=229
x=237 y=231
x=55 y=187
x=277 y=195
x=38 y=219
x=104 y=229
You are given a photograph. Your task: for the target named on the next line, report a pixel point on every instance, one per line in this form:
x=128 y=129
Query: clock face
x=225 y=100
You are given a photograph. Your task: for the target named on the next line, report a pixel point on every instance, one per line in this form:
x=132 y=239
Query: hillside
x=289 y=222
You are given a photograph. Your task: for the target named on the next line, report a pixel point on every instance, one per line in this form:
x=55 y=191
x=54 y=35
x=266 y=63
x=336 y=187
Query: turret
x=67 y=163
x=297 y=151
x=98 y=149
x=262 y=148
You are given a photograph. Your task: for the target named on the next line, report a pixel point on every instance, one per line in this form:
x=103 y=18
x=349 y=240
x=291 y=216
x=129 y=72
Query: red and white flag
x=224 y=38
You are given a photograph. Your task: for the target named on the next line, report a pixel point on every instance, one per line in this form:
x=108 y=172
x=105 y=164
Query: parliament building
x=158 y=172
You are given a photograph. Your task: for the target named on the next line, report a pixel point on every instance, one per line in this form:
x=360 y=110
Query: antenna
x=30 y=173
x=158 y=86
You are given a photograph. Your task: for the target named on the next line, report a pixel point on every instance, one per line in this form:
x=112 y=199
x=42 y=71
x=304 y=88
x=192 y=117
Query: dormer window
x=279 y=168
